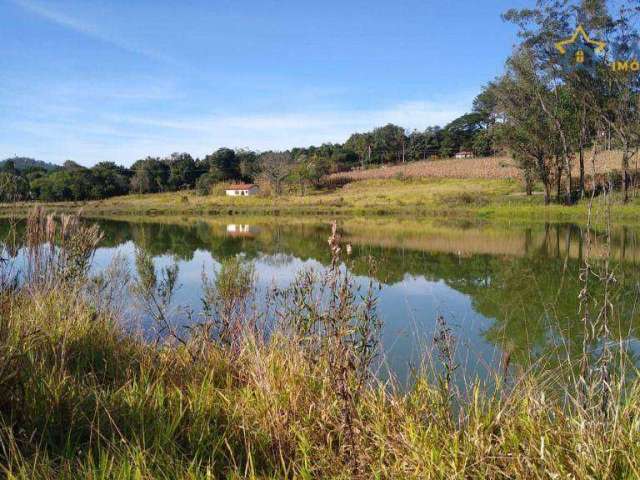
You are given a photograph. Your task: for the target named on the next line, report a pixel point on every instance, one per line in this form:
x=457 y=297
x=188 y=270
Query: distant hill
x=22 y=163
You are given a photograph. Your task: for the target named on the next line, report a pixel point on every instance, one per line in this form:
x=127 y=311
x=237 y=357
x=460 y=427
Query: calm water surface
x=499 y=288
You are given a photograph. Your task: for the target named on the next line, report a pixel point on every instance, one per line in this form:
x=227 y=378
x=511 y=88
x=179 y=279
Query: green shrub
x=205 y=183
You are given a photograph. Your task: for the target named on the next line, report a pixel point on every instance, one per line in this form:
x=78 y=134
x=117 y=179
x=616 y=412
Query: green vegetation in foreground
x=468 y=198
x=81 y=398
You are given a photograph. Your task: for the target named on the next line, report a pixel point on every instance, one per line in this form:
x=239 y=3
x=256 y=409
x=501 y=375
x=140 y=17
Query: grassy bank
x=474 y=199
x=82 y=397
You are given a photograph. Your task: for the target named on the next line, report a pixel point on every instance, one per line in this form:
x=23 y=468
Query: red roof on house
x=240 y=186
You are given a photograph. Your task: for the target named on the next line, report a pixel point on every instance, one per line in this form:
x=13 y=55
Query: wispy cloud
x=296 y=128
x=88 y=29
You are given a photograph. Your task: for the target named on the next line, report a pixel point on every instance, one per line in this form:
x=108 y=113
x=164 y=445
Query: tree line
x=298 y=168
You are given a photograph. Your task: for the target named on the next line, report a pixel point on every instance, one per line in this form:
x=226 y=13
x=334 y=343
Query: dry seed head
x=50 y=229
x=334 y=240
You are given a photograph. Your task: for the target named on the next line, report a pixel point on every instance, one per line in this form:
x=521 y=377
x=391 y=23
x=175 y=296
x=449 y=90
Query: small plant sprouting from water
x=155 y=293
x=445 y=343
x=336 y=325
x=227 y=302
x=325 y=310
x=108 y=289
x=597 y=380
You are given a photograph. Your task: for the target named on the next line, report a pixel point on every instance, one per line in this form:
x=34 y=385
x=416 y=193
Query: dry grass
x=486 y=167
x=606 y=161
x=499 y=167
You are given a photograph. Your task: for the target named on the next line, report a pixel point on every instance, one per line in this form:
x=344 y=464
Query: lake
x=500 y=288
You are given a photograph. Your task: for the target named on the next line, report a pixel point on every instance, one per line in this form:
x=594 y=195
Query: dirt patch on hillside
x=485 y=167
x=488 y=167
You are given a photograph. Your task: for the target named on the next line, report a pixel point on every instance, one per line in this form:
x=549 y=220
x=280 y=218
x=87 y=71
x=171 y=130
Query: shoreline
x=419 y=199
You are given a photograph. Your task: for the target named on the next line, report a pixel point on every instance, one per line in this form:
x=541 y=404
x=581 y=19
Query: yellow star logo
x=580 y=31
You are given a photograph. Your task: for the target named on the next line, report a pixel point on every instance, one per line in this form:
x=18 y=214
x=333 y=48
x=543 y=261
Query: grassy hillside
x=498 y=167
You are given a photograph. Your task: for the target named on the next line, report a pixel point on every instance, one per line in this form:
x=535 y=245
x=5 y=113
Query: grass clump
x=80 y=397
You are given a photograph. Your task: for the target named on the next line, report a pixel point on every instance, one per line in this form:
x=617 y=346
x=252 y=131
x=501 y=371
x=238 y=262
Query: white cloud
x=408 y=114
x=289 y=129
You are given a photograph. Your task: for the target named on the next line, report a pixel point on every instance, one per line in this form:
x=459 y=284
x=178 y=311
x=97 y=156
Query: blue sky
x=119 y=80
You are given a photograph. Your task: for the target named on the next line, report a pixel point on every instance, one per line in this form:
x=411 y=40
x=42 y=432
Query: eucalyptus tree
x=224 y=163
x=389 y=143
x=417 y=145
x=608 y=95
x=9 y=166
x=108 y=180
x=540 y=29
x=581 y=100
x=522 y=124
x=617 y=102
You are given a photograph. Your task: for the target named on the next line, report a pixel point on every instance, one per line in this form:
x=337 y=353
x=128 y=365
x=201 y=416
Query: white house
x=241 y=190
x=464 y=154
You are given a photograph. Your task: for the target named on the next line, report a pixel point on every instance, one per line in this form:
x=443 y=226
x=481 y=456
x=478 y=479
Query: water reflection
x=242 y=230
x=500 y=288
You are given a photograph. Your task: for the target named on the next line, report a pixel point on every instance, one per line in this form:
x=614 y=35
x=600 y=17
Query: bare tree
x=276 y=167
